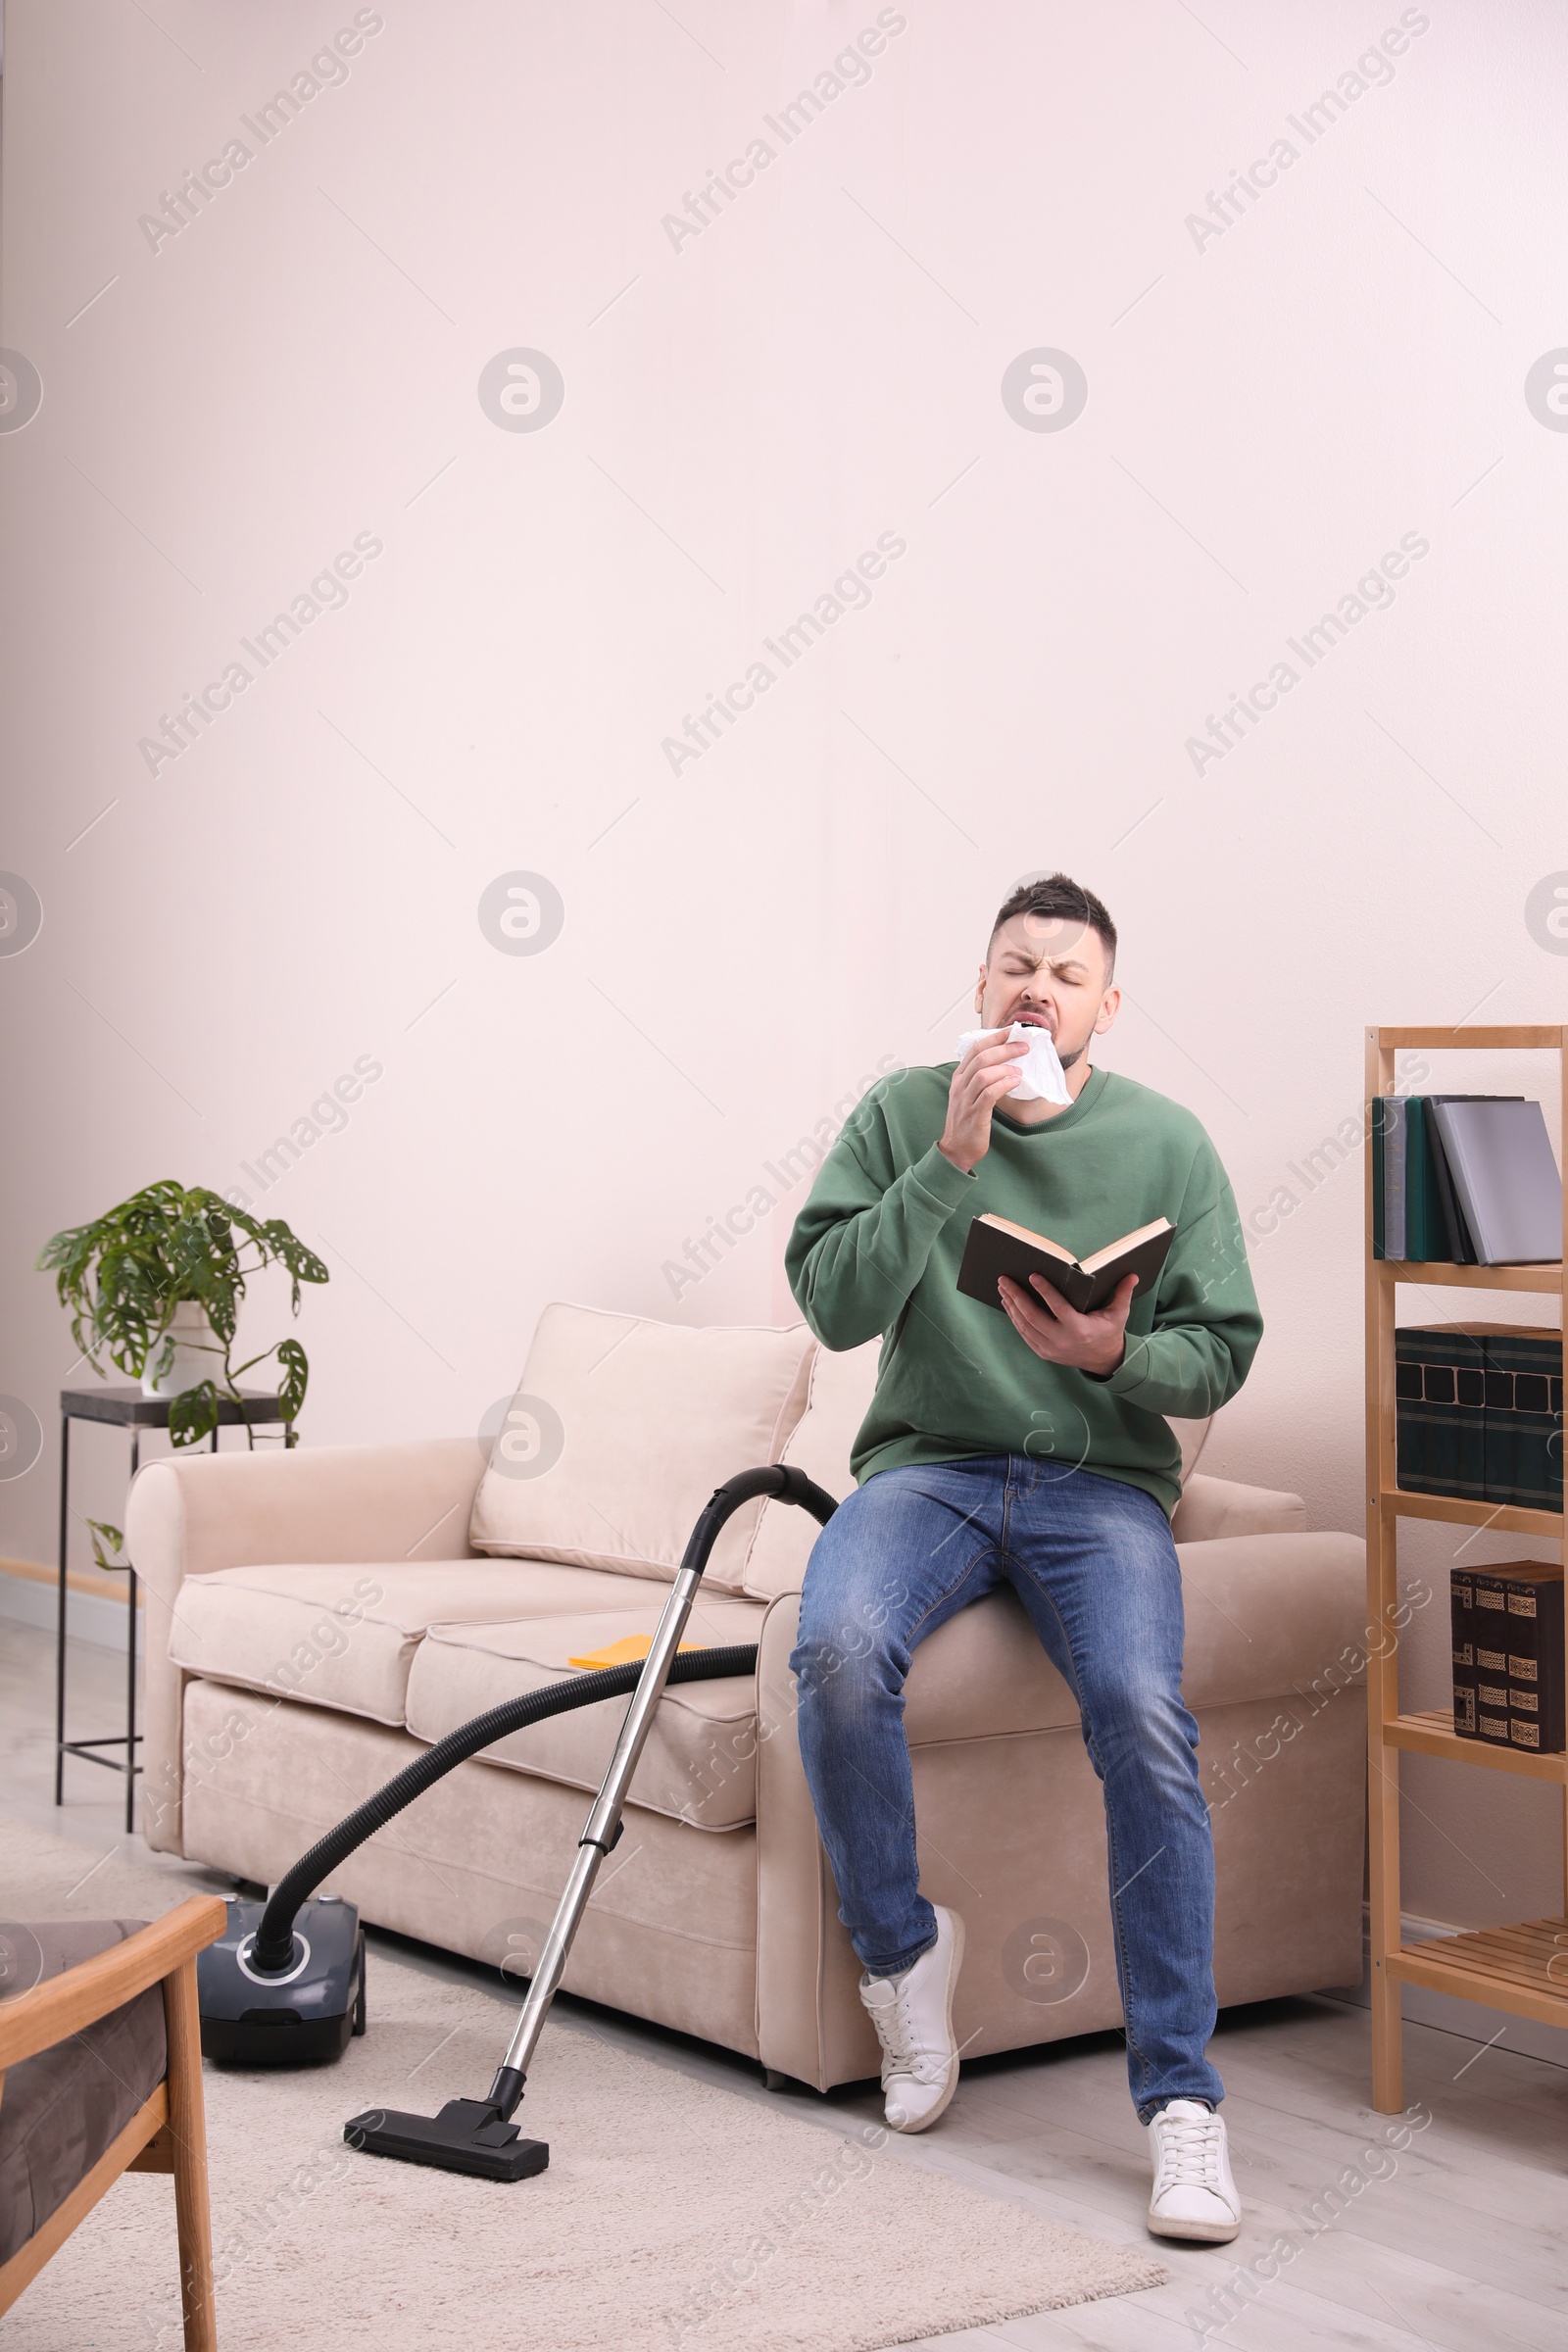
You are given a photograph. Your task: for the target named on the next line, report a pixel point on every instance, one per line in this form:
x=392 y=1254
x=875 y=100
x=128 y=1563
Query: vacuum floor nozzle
x=468 y=2136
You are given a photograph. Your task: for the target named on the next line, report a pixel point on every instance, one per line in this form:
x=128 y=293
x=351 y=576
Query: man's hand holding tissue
x=988 y=1069
x=1054 y=1329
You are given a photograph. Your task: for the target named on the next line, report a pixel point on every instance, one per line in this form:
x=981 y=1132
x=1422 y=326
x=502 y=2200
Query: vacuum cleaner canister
x=301 y=2016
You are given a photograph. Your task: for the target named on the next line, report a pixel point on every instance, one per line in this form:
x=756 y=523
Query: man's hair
x=1060 y=906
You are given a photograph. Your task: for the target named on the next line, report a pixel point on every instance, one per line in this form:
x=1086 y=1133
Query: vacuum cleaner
x=285 y=1985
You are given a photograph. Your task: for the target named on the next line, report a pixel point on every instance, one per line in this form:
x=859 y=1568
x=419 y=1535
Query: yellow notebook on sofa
x=623 y=1652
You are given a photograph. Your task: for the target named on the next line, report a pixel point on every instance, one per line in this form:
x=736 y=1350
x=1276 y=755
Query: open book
x=995 y=1246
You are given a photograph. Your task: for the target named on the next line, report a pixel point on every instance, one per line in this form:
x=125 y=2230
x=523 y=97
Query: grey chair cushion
x=59 y=2111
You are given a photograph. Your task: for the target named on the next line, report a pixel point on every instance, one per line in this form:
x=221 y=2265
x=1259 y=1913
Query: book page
x=1036 y=1241
x=1129 y=1241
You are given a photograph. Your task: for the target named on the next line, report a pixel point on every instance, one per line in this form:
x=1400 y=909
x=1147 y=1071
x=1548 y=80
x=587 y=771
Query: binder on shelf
x=1507 y=1188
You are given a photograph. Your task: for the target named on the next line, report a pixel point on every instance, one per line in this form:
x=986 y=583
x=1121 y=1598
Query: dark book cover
x=1438 y=1410
x=1478 y=1413
x=1460 y=1248
x=1461 y=1604
x=1424 y=1234
x=1524 y=1418
x=1520 y=1604
x=996 y=1247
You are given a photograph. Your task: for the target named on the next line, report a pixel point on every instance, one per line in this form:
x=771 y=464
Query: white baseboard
x=94 y=1617
x=1470 y=2019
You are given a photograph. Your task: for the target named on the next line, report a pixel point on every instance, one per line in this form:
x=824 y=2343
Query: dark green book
x=1478 y=1413
x=1438 y=1410
x=1524 y=1418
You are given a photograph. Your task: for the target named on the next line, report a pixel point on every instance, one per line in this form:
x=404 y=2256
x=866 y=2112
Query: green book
x=1524 y=1418
x=1425 y=1235
x=1439 y=1410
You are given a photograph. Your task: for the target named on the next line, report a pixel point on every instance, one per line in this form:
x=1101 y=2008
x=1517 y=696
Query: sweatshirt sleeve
x=860 y=1244
x=1207 y=1322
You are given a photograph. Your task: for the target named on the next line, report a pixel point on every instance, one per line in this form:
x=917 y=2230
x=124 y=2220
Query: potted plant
x=158 y=1283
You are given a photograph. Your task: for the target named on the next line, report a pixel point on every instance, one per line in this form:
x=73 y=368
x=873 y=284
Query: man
x=1026 y=1448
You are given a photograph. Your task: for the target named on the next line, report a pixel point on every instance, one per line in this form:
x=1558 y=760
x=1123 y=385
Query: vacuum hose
x=272 y=1952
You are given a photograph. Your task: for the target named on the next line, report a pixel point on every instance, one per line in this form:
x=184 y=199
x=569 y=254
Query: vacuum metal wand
x=602 y=1827
x=596 y=1841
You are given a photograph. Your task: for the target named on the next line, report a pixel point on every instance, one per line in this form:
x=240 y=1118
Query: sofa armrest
x=1220 y=1506
x=193 y=1514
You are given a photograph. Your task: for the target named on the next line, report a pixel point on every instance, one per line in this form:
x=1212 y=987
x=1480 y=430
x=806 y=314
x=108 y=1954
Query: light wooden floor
x=1458 y=2242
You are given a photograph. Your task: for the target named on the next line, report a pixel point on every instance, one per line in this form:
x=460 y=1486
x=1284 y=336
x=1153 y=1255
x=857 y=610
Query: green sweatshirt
x=876 y=1249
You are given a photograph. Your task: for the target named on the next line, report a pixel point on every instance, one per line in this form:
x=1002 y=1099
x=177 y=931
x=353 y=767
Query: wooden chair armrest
x=34 y=2021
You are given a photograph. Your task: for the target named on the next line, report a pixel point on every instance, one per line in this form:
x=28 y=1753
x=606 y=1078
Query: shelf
x=1433 y=1735
x=1531 y=1036
x=1441 y=1272
x=1498 y=1968
x=1505 y=1968
x=1508 y=1518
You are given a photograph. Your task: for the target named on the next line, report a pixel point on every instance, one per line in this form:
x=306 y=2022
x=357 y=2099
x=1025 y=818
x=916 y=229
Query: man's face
x=1048 y=971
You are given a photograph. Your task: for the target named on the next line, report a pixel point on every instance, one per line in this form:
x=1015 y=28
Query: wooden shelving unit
x=1521 y=1969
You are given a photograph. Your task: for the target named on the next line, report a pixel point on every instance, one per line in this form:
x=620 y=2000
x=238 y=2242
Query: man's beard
x=1067 y=1060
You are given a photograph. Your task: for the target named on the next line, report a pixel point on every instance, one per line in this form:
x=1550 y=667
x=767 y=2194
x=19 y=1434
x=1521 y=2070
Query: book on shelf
x=1462 y=1611
x=996 y=1247
x=1506 y=1189
x=1419 y=1213
x=1513 y=1619
x=1478 y=1413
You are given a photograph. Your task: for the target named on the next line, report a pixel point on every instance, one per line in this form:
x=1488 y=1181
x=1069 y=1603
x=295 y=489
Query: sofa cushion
x=66 y=2107
x=344 y=1635
x=699 y=1765
x=622 y=1429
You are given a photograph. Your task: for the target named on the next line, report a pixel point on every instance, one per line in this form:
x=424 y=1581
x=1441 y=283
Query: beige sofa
x=314 y=1616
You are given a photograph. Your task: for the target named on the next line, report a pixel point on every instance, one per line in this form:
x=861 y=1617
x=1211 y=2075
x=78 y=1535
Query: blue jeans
x=1093 y=1562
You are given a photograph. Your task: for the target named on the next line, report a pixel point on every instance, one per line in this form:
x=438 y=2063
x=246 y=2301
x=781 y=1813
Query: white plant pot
x=198 y=1352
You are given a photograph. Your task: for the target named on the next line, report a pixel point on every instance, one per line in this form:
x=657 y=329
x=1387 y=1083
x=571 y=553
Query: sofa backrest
x=621 y=1427
x=620 y=1430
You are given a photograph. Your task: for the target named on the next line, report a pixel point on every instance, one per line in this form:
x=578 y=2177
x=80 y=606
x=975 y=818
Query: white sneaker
x=1193 y=2194
x=914 y=2018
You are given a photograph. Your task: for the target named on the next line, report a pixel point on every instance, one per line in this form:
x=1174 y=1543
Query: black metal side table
x=127 y=1408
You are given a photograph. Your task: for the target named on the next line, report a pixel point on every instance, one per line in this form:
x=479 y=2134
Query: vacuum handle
x=786 y=1483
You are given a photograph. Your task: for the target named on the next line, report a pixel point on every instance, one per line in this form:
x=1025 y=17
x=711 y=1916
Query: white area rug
x=673 y=2216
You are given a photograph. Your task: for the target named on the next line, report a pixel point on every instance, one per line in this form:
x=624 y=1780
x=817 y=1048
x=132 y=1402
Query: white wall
x=1270 y=409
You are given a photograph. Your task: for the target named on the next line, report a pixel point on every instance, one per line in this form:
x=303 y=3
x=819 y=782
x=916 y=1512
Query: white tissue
x=1040 y=1076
